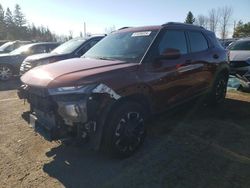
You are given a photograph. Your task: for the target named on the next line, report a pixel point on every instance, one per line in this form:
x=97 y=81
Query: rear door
x=200 y=59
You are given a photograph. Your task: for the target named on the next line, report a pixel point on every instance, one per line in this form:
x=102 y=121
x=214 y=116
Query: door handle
x=215 y=56
x=187 y=62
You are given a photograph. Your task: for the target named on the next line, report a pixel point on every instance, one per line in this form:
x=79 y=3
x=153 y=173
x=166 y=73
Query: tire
x=6 y=72
x=124 y=131
x=219 y=89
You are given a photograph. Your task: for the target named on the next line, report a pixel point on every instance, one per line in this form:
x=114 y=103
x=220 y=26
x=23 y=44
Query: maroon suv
x=106 y=96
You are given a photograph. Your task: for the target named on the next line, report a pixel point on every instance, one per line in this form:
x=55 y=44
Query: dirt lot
x=191 y=147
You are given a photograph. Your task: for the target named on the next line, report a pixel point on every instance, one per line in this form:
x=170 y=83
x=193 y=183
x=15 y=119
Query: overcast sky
x=61 y=16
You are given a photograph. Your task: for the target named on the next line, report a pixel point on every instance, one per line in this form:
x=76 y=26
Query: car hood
x=239 y=55
x=72 y=72
x=42 y=56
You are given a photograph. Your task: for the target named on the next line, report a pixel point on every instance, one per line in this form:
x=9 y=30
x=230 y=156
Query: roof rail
x=123 y=28
x=181 y=24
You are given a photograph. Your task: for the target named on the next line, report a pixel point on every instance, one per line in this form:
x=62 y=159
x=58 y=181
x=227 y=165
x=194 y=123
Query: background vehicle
x=226 y=42
x=107 y=95
x=239 y=56
x=12 y=45
x=73 y=48
x=10 y=63
x=3 y=42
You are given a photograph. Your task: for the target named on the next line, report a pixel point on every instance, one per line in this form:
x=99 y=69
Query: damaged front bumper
x=68 y=114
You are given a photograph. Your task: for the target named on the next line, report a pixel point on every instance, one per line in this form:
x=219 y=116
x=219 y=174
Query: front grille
x=26 y=66
x=42 y=92
x=238 y=64
x=39 y=99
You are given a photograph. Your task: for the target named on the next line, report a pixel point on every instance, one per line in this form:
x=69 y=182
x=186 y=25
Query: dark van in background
x=70 y=49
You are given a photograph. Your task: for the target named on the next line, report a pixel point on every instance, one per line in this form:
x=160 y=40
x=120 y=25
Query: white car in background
x=239 y=57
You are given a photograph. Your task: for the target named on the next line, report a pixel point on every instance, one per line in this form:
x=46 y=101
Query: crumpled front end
x=67 y=112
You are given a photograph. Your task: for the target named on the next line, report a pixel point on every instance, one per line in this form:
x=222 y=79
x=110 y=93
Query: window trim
x=184 y=32
x=84 y=45
x=195 y=31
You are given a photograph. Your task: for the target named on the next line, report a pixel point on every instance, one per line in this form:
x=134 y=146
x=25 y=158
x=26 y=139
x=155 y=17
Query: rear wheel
x=6 y=72
x=125 y=130
x=219 y=90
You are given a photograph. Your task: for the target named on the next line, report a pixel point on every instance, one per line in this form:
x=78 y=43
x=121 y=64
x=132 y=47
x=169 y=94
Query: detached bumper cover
x=241 y=69
x=47 y=126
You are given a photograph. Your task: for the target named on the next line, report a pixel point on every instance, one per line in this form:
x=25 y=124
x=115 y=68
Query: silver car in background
x=239 y=57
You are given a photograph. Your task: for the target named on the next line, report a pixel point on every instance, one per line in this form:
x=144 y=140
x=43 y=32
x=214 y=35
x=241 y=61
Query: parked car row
x=10 y=62
x=9 y=46
x=107 y=95
x=19 y=61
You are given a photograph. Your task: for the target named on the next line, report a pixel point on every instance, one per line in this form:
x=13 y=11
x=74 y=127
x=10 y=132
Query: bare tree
x=70 y=34
x=213 y=19
x=202 y=20
x=110 y=29
x=226 y=14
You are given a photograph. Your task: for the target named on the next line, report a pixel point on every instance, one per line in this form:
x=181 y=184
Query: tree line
x=220 y=21
x=14 y=26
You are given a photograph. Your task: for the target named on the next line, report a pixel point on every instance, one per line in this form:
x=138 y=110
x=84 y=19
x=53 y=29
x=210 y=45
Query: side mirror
x=170 y=53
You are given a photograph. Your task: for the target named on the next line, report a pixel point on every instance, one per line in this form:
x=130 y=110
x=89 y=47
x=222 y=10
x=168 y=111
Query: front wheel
x=218 y=93
x=125 y=130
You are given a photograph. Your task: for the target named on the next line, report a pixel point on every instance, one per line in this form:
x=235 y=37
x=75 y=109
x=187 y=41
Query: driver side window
x=174 y=40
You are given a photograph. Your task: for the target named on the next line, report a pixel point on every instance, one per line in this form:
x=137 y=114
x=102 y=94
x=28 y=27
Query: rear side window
x=175 y=40
x=198 y=42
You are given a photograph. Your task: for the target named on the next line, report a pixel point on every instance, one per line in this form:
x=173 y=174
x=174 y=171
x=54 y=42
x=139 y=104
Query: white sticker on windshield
x=140 y=34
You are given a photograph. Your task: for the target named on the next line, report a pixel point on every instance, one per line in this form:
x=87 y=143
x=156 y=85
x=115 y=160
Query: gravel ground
x=191 y=147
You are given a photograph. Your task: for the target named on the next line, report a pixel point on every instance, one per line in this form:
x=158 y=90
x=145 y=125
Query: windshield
x=128 y=46
x=5 y=46
x=22 y=49
x=69 y=46
x=240 y=45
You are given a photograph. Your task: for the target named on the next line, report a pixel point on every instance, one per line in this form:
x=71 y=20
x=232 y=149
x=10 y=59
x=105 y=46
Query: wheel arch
x=138 y=98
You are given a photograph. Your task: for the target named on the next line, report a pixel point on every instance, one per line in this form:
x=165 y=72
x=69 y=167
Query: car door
x=201 y=57
x=170 y=79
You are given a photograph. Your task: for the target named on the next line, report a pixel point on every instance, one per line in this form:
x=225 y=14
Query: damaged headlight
x=71 y=89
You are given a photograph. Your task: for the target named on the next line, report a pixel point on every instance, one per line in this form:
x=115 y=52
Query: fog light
x=72 y=110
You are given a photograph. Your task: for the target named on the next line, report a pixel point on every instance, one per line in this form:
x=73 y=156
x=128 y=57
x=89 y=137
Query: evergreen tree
x=19 y=18
x=19 y=22
x=2 y=24
x=15 y=27
x=190 y=18
x=8 y=18
x=242 y=30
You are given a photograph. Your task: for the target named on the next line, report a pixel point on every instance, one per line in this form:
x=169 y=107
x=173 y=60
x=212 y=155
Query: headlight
x=72 y=89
